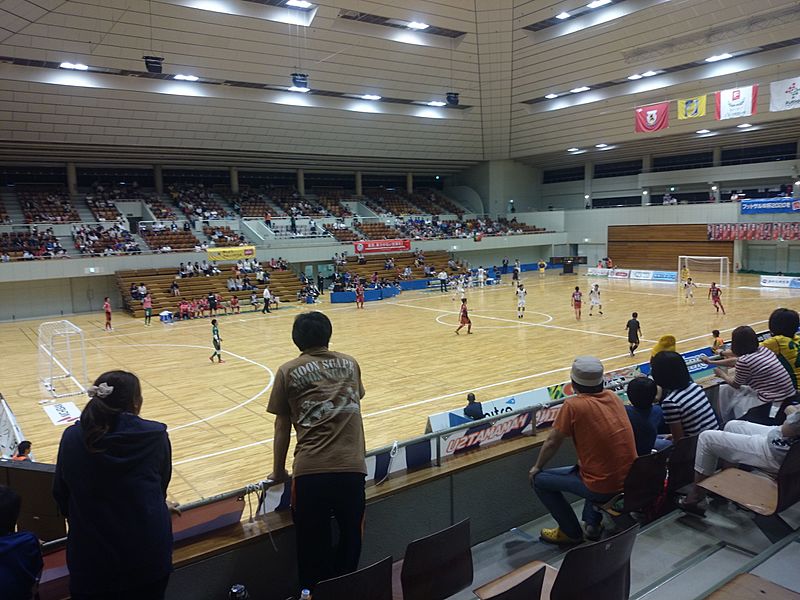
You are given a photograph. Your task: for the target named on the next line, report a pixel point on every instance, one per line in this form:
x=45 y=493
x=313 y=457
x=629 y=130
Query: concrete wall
x=497 y=182
x=40 y=297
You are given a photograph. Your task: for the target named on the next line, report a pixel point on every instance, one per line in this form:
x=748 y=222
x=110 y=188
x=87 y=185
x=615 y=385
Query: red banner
x=652 y=118
x=724 y=232
x=367 y=246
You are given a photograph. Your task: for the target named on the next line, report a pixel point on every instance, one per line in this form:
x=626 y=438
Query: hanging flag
x=736 y=102
x=690 y=108
x=784 y=94
x=651 y=118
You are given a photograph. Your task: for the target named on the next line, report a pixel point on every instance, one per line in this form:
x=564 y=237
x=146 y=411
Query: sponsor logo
x=641 y=275
x=619 y=274
x=652 y=117
x=491 y=433
x=691 y=107
x=665 y=276
x=63 y=414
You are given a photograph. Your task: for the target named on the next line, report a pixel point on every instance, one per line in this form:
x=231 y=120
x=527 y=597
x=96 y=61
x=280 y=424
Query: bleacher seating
x=224 y=236
x=514 y=226
x=103 y=210
x=342 y=234
x=51 y=206
x=159 y=209
x=4 y=218
x=446 y=205
x=379 y=231
x=436 y=259
x=290 y=202
x=390 y=201
x=170 y=241
x=330 y=199
x=30 y=245
x=197 y=201
x=99 y=240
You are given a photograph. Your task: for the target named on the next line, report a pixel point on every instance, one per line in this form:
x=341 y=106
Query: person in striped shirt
x=687 y=410
x=759 y=377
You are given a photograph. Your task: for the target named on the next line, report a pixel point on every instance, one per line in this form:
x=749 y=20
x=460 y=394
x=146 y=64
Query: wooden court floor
x=413 y=364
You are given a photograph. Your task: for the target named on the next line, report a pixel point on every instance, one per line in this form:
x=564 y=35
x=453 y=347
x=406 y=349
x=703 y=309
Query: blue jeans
x=549 y=485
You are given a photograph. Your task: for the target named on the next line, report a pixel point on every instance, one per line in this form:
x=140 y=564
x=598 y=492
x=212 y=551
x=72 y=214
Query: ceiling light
x=586 y=196
x=601 y=145
x=299 y=83
x=607 y=148
x=703 y=131
x=370 y=97
x=438 y=103
x=417 y=25
x=797 y=182
x=598 y=3
x=714 y=188
x=649 y=73
x=75 y=66
x=572 y=149
x=645 y=192
x=580 y=89
x=551 y=96
x=180 y=77
x=744 y=125
x=298 y=4
x=716 y=57
x=299 y=89
x=563 y=15
x=634 y=77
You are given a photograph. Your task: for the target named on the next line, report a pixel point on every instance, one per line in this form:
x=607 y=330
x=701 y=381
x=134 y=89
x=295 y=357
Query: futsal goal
x=62 y=359
x=705 y=269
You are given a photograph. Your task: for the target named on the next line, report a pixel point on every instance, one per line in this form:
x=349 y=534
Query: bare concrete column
x=359 y=185
x=72 y=179
x=158 y=178
x=234 y=180
x=301 y=182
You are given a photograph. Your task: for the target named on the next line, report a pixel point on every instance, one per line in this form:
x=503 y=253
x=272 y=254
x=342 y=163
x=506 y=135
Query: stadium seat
x=644 y=484
x=370 y=583
x=437 y=566
x=680 y=466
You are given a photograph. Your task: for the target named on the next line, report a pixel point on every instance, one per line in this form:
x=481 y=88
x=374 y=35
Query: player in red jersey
x=463 y=317
x=107 y=311
x=577 y=299
x=360 y=295
x=715 y=294
x=235 y=305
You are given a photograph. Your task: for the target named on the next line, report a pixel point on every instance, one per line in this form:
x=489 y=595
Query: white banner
x=644 y=275
x=63 y=414
x=597 y=272
x=784 y=94
x=736 y=102
x=10 y=433
x=619 y=274
x=780 y=282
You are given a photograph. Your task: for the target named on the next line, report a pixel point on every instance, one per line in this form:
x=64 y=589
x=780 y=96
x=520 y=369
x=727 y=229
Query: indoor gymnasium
x=347 y=300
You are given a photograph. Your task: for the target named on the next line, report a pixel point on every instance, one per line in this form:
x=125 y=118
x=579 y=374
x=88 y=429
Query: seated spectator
x=645 y=416
x=20 y=552
x=473 y=409
x=687 y=410
x=595 y=419
x=760 y=446
x=134 y=292
x=785 y=343
x=758 y=377
x=175 y=289
x=141 y=291
x=23 y=451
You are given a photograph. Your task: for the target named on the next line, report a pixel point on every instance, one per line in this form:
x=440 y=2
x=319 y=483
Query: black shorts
x=632 y=339
x=217 y=346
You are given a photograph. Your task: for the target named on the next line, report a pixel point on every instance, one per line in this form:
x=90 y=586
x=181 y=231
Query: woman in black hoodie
x=111 y=481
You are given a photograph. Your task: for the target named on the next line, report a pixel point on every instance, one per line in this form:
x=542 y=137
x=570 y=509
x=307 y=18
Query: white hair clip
x=100 y=391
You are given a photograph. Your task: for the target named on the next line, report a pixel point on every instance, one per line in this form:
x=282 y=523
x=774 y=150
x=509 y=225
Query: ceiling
x=502 y=56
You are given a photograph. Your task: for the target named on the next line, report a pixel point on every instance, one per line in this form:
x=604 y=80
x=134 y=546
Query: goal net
x=62 y=359
x=705 y=269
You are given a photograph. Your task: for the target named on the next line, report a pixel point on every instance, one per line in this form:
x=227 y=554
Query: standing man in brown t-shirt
x=596 y=421
x=319 y=393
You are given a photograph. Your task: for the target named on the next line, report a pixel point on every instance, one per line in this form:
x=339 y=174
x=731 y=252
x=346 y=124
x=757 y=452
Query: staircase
x=13 y=208
x=84 y=212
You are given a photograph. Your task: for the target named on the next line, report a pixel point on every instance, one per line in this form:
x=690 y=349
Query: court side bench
x=762 y=494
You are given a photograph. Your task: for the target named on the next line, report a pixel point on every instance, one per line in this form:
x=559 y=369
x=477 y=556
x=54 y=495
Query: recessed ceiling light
x=702 y=131
x=601 y=145
x=634 y=77
x=607 y=148
x=716 y=57
x=645 y=192
x=298 y=4
x=181 y=77
x=438 y=103
x=649 y=73
x=563 y=15
x=417 y=25
x=598 y=3
x=551 y=96
x=299 y=89
x=580 y=89
x=74 y=66
x=370 y=97
x=744 y=125
x=572 y=149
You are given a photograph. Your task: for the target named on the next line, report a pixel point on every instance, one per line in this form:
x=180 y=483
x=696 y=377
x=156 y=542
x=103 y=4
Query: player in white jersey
x=481 y=276
x=521 y=294
x=688 y=290
x=594 y=299
x=461 y=291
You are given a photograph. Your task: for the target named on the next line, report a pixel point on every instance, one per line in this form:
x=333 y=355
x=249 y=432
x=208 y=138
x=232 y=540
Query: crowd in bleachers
x=224 y=236
x=102 y=240
x=159 y=209
x=4 y=218
x=171 y=240
x=30 y=245
x=197 y=202
x=47 y=207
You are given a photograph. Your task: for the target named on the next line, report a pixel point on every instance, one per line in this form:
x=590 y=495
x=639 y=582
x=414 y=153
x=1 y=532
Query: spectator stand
x=30 y=243
x=170 y=236
x=46 y=205
x=102 y=239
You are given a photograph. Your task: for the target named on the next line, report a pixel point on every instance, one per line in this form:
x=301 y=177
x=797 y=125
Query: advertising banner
x=784 y=94
x=10 y=433
x=665 y=276
x=486 y=433
x=231 y=253
x=63 y=413
x=597 y=272
x=754 y=231
x=619 y=274
x=780 y=282
x=769 y=205
x=643 y=275
x=496 y=407
x=367 y=246
x=736 y=102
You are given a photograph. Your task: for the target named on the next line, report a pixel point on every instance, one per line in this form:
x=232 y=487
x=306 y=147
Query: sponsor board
x=10 y=433
x=619 y=274
x=641 y=275
x=63 y=413
x=485 y=434
x=491 y=408
x=665 y=276
x=597 y=272
x=367 y=246
x=231 y=253
x=769 y=205
x=780 y=282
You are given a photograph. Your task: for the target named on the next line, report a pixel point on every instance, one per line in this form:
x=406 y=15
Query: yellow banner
x=690 y=108
x=231 y=253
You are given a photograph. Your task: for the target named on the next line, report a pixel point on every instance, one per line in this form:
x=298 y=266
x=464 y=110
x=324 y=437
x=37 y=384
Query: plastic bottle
x=305 y=595
x=238 y=592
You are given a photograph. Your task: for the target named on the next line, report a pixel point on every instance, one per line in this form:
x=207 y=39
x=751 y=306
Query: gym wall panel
x=658 y=246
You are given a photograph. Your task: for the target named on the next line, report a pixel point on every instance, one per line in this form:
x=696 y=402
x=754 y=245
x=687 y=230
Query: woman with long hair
x=111 y=479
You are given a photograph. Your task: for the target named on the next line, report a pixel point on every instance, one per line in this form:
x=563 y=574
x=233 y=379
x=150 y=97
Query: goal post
x=705 y=269
x=62 y=359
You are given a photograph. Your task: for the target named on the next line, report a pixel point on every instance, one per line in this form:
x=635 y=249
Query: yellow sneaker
x=556 y=536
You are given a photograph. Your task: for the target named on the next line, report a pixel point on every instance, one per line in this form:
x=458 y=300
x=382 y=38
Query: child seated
x=183 y=310
x=20 y=553
x=254 y=302
x=642 y=414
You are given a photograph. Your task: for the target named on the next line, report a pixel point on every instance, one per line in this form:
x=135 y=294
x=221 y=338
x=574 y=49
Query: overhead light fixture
x=645 y=192
x=299 y=83
x=797 y=182
x=153 y=64
x=437 y=103
x=649 y=73
x=572 y=149
x=586 y=196
x=634 y=77
x=717 y=57
x=607 y=148
x=370 y=97
x=598 y=3
x=703 y=131
x=74 y=66
x=601 y=145
x=417 y=26
x=451 y=98
x=714 y=188
x=563 y=15
x=298 y=4
x=744 y=125
x=580 y=89
x=551 y=96
x=180 y=77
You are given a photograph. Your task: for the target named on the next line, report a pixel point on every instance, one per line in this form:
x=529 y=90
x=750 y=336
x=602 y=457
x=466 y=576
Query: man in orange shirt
x=596 y=421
